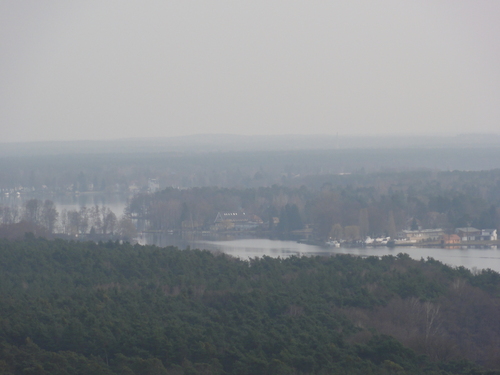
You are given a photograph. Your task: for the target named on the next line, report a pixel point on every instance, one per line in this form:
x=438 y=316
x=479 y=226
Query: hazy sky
x=117 y=69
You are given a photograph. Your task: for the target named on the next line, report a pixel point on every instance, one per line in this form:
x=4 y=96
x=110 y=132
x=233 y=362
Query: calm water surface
x=250 y=248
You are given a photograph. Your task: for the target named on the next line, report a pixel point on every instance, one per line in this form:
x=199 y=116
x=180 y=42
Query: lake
x=257 y=247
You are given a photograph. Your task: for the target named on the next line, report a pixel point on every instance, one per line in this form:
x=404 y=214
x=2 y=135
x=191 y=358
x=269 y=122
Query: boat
x=333 y=243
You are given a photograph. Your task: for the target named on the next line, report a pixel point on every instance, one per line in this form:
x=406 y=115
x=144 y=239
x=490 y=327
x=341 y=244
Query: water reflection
x=245 y=248
x=115 y=202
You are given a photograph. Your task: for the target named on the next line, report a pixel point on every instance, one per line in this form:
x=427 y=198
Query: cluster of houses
x=467 y=234
x=241 y=221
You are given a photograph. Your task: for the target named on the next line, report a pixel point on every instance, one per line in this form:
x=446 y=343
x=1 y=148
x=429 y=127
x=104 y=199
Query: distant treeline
x=87 y=308
x=349 y=207
x=123 y=172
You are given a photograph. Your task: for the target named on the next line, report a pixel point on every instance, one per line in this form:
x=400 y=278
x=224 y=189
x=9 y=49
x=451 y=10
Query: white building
x=488 y=235
x=153 y=185
x=423 y=235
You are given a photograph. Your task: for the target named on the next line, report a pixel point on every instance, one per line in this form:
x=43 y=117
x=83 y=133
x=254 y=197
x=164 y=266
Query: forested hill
x=86 y=308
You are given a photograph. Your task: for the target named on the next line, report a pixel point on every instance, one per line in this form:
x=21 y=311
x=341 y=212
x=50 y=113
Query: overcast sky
x=100 y=69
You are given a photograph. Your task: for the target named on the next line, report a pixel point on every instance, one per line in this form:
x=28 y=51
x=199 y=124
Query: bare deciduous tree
x=49 y=215
x=109 y=221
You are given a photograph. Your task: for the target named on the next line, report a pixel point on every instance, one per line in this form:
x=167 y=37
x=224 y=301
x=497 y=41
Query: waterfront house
x=423 y=235
x=468 y=233
x=488 y=235
x=236 y=220
x=450 y=239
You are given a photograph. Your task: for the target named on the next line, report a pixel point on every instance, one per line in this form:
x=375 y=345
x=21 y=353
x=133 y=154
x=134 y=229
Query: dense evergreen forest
x=110 y=308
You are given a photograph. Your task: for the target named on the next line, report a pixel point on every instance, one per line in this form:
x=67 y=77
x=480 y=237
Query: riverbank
x=478 y=244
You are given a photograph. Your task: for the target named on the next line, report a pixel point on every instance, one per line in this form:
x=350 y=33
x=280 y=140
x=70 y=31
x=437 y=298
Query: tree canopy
x=110 y=308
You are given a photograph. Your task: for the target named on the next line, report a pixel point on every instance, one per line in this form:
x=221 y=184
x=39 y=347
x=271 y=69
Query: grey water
x=246 y=248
